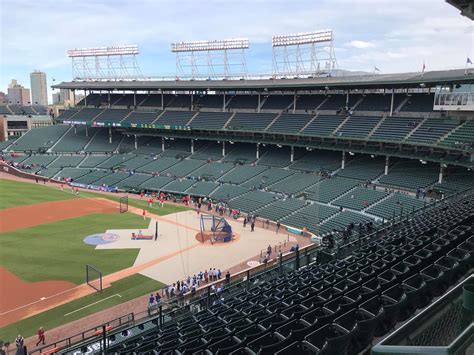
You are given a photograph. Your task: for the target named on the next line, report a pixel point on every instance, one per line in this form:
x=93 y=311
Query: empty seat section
x=363 y=168
x=210 y=120
x=154 y=100
x=242 y=173
x=181 y=100
x=243 y=102
x=357 y=127
x=411 y=174
x=158 y=165
x=418 y=103
x=395 y=205
x=380 y=102
x=208 y=151
x=43 y=137
x=133 y=182
x=112 y=115
x=323 y=125
x=309 y=102
x=87 y=114
x=155 y=183
x=202 y=188
x=329 y=189
x=289 y=123
x=212 y=171
x=184 y=167
x=317 y=160
x=252 y=201
x=227 y=192
x=64 y=115
x=431 y=130
x=175 y=118
x=278 y=157
x=297 y=182
x=462 y=136
x=75 y=139
x=280 y=208
x=64 y=161
x=395 y=128
x=341 y=221
x=359 y=198
x=250 y=121
x=209 y=101
x=268 y=177
x=309 y=216
x=277 y=102
x=100 y=141
x=240 y=153
x=139 y=117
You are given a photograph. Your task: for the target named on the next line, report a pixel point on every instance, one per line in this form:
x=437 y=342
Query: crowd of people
x=189 y=286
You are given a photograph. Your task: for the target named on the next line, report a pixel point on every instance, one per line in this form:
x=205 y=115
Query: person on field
x=144 y=214
x=77 y=191
x=41 y=337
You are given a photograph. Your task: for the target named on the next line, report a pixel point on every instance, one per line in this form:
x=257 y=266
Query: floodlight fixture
x=302 y=38
x=103 y=51
x=210 y=45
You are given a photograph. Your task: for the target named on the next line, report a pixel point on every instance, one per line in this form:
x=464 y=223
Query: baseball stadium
x=310 y=211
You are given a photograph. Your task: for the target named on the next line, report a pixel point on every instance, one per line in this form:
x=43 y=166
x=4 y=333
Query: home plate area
x=176 y=253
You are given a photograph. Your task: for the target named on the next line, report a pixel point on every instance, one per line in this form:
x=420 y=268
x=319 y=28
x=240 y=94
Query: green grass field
x=128 y=288
x=55 y=251
x=15 y=193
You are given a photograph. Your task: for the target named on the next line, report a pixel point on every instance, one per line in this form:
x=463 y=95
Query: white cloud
x=361 y=44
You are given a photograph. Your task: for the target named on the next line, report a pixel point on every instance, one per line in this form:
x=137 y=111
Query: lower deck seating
x=411 y=175
x=329 y=189
x=298 y=182
x=309 y=217
x=267 y=178
x=252 y=201
x=396 y=205
x=202 y=188
x=280 y=209
x=242 y=173
x=363 y=168
x=341 y=221
x=227 y=192
x=360 y=198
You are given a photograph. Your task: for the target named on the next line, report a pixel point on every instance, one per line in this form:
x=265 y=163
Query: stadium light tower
x=211 y=58
x=303 y=54
x=105 y=63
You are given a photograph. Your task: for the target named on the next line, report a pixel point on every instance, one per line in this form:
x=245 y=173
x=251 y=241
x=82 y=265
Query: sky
x=393 y=36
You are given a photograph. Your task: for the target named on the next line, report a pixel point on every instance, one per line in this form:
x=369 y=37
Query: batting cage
x=123 y=204
x=94 y=277
x=215 y=229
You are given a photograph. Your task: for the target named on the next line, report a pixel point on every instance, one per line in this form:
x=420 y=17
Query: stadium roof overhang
x=372 y=81
x=465 y=6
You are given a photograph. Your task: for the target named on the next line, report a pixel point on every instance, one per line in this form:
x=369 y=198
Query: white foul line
x=79 y=309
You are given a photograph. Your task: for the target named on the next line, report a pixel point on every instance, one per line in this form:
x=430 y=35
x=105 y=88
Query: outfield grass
x=56 y=251
x=16 y=193
x=128 y=288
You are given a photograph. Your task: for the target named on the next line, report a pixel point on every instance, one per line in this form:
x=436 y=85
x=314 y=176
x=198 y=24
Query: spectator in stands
x=20 y=345
x=151 y=300
x=41 y=338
